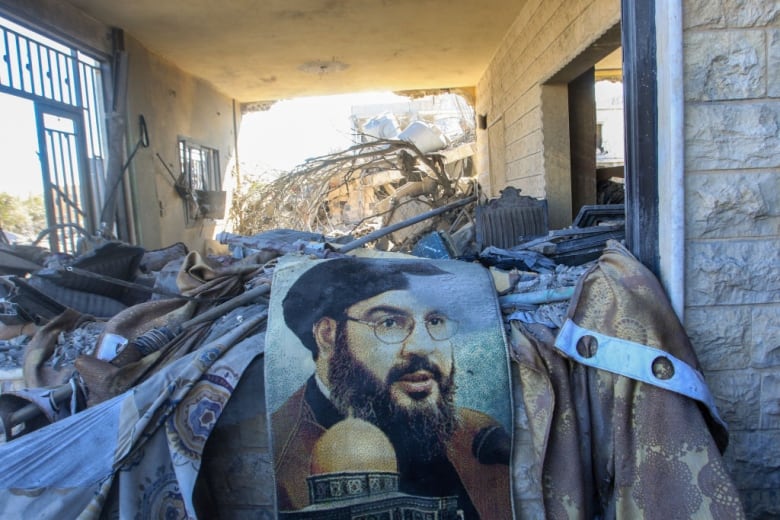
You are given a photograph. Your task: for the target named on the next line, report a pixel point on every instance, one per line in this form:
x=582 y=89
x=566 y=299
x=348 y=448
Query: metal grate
x=64 y=191
x=510 y=219
x=35 y=68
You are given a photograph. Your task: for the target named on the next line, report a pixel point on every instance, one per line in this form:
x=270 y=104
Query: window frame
x=200 y=172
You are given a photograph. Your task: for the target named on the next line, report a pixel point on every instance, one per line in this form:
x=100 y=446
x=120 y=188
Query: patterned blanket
x=136 y=455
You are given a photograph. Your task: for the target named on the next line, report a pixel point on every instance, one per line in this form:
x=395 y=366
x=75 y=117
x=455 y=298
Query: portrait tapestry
x=388 y=390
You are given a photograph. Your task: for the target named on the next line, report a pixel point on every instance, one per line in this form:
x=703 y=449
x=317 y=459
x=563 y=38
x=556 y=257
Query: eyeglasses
x=396 y=328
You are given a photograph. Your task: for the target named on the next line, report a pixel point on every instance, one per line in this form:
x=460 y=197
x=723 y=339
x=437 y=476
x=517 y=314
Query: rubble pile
x=533 y=278
x=358 y=190
x=72 y=344
x=173 y=297
x=164 y=370
x=545 y=295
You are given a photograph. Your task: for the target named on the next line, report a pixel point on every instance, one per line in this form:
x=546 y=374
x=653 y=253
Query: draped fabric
x=136 y=451
x=593 y=444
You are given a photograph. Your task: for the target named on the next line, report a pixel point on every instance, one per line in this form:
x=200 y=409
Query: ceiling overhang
x=267 y=50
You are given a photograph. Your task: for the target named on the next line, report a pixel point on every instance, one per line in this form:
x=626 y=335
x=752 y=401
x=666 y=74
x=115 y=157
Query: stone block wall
x=522 y=145
x=732 y=190
x=732 y=183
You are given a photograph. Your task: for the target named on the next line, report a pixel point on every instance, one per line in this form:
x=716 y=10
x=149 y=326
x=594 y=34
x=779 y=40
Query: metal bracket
x=636 y=361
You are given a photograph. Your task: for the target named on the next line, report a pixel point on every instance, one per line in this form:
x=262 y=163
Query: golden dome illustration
x=353 y=445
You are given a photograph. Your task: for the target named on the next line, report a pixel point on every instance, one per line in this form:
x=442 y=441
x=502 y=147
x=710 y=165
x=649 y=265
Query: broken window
x=200 y=172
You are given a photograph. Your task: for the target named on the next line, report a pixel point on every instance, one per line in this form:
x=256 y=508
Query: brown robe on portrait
x=296 y=430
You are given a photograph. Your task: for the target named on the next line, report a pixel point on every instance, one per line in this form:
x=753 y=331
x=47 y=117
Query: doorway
x=577 y=127
x=596 y=134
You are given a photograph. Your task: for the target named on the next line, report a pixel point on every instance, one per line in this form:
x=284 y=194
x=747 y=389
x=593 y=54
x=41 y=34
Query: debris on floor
x=124 y=303
x=507 y=234
x=149 y=384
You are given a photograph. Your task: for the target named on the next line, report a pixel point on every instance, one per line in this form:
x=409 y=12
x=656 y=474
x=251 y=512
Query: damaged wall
x=732 y=200
x=175 y=105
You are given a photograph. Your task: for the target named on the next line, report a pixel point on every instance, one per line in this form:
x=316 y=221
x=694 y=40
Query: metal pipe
x=671 y=152
x=106 y=217
x=31 y=411
x=233 y=303
x=379 y=233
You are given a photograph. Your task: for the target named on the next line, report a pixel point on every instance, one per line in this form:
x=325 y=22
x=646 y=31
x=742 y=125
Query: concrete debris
x=71 y=344
x=356 y=191
x=12 y=352
x=427 y=138
x=113 y=278
x=523 y=272
x=542 y=297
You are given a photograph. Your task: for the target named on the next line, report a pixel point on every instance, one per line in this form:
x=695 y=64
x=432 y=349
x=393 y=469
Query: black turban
x=332 y=286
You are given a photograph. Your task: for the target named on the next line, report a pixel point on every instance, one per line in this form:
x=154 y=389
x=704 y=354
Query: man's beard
x=417 y=432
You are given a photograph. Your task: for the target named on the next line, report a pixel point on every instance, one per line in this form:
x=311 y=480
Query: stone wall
x=523 y=97
x=732 y=170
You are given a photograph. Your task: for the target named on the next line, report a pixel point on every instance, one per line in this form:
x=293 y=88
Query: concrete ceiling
x=263 y=50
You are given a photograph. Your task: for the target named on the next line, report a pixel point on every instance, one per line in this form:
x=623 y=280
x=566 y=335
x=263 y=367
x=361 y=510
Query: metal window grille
x=200 y=166
x=66 y=88
x=200 y=169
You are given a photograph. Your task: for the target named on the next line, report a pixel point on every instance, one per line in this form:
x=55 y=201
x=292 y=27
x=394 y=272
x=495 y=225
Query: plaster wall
x=731 y=62
x=175 y=105
x=523 y=96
